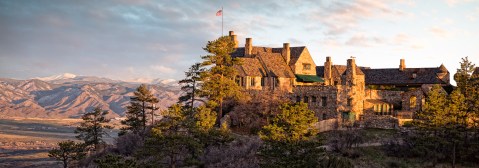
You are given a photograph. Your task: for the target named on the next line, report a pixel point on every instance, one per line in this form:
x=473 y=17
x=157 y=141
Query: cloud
x=363 y=40
x=340 y=17
x=439 y=32
x=452 y=3
x=162 y=69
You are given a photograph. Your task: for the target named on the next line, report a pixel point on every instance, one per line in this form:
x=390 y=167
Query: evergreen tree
x=136 y=113
x=67 y=152
x=218 y=80
x=171 y=142
x=431 y=123
x=469 y=87
x=434 y=113
x=115 y=161
x=290 y=139
x=190 y=85
x=463 y=75
x=456 y=128
x=204 y=118
x=92 y=129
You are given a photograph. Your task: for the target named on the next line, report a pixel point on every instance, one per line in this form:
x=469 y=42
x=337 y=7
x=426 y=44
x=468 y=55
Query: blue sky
x=137 y=40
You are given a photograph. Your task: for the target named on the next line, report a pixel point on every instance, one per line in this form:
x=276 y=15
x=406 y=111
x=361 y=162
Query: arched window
x=324 y=116
x=412 y=102
x=306 y=99
x=298 y=99
x=313 y=99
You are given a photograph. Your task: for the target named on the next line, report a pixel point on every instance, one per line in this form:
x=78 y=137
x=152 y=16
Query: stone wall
x=393 y=97
x=406 y=100
x=285 y=84
x=327 y=125
x=351 y=92
x=320 y=99
x=379 y=121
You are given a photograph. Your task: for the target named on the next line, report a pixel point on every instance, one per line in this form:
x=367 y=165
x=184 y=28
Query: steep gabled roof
x=250 y=67
x=294 y=51
x=275 y=65
x=406 y=77
x=239 y=52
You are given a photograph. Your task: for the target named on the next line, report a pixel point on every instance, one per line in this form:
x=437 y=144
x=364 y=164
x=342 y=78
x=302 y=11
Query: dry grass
x=25 y=142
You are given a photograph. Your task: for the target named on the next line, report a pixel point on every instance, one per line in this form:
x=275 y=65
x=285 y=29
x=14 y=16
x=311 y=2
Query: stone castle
x=383 y=98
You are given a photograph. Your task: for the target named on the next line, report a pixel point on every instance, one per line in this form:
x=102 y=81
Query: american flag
x=219 y=13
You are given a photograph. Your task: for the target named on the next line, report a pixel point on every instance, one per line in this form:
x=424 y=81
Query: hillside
x=69 y=96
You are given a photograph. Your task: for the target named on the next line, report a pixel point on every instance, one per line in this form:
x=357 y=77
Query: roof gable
x=250 y=67
x=275 y=65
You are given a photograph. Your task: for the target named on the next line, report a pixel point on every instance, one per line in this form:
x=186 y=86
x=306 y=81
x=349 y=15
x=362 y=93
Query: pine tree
x=218 y=80
x=142 y=101
x=457 y=121
x=290 y=139
x=190 y=85
x=92 y=129
x=67 y=152
x=434 y=113
x=171 y=139
x=204 y=118
x=463 y=75
x=468 y=86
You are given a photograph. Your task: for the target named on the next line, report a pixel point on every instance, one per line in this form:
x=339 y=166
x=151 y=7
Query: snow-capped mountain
x=67 y=96
x=57 y=77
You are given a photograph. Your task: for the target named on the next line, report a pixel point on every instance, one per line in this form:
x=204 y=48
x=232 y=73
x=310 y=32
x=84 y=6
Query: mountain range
x=70 y=96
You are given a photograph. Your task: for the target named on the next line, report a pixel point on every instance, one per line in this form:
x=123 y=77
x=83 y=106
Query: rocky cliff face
x=70 y=98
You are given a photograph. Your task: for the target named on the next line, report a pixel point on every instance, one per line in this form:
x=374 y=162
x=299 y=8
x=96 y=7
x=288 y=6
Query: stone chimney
x=351 y=66
x=351 y=71
x=286 y=52
x=248 y=47
x=328 y=71
x=402 y=65
x=233 y=37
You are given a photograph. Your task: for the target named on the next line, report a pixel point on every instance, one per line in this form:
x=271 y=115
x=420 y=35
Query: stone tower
x=353 y=89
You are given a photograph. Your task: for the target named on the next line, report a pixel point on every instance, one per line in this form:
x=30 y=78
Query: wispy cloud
x=340 y=16
x=162 y=69
x=439 y=32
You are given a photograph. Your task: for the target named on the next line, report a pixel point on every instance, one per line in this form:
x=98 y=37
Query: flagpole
x=222 y=13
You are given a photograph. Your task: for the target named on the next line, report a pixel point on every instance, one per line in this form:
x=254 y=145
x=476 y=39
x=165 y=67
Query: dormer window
x=306 y=66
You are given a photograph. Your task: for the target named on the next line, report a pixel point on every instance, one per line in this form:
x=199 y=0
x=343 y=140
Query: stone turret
x=233 y=37
x=248 y=47
x=402 y=65
x=286 y=52
x=328 y=77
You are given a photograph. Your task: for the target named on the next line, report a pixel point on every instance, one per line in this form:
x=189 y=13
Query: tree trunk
x=65 y=163
x=220 y=113
x=144 y=116
x=193 y=96
x=454 y=155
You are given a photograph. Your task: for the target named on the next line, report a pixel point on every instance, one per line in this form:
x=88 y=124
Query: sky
x=139 y=40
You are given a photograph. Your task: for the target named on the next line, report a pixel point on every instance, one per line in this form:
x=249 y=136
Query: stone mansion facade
x=371 y=97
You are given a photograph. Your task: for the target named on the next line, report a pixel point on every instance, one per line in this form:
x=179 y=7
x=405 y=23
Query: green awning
x=309 y=78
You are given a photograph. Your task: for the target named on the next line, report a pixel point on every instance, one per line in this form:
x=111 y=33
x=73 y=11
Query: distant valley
x=69 y=96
